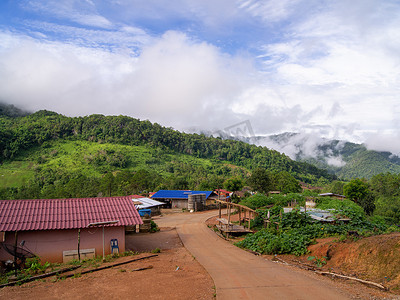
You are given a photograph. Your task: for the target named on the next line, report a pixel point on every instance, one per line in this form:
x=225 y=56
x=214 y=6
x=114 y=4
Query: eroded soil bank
x=375 y=258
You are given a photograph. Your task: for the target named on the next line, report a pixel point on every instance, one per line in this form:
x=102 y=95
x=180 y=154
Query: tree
x=286 y=183
x=387 y=185
x=107 y=184
x=180 y=183
x=260 y=180
x=336 y=187
x=233 y=184
x=389 y=208
x=211 y=183
x=358 y=191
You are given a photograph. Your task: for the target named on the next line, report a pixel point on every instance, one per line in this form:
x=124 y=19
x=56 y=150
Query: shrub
x=297 y=230
x=257 y=201
x=153 y=226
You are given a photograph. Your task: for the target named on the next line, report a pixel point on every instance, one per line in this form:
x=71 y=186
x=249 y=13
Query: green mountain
x=10 y=110
x=344 y=159
x=46 y=154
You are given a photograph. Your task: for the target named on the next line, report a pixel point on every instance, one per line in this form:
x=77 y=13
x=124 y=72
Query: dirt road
x=238 y=274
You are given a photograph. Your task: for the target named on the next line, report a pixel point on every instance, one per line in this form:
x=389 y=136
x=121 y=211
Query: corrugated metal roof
x=175 y=194
x=331 y=195
x=223 y=191
x=45 y=214
x=147 y=203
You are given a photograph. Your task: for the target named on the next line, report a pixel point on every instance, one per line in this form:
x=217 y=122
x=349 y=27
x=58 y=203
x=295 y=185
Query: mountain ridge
x=344 y=159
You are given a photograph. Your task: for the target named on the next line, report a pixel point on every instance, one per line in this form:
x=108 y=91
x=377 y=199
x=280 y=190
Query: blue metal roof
x=175 y=194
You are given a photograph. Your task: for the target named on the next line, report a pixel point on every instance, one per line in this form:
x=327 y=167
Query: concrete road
x=238 y=274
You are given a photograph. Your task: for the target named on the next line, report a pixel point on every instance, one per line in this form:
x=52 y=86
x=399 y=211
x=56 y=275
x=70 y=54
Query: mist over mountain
x=342 y=158
x=10 y=110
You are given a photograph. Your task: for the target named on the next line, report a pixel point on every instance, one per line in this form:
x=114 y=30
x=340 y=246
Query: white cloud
x=81 y=12
x=269 y=10
x=384 y=142
x=175 y=80
x=344 y=58
x=326 y=68
x=124 y=37
x=305 y=145
x=59 y=77
x=335 y=161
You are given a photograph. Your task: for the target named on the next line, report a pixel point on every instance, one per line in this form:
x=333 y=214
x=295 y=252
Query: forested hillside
x=46 y=149
x=344 y=159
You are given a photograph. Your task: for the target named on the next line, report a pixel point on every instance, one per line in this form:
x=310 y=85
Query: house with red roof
x=56 y=229
x=223 y=194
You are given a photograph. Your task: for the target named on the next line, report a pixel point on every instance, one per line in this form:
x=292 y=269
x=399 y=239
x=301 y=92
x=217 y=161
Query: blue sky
x=322 y=68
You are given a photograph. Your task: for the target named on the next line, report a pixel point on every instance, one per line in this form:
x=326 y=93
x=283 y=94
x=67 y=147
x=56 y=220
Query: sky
x=327 y=69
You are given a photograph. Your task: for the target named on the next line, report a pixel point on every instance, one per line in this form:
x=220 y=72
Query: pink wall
x=50 y=244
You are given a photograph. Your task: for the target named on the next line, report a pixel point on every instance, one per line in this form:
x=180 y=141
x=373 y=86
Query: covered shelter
x=226 y=226
x=58 y=230
x=147 y=203
x=179 y=198
x=332 y=195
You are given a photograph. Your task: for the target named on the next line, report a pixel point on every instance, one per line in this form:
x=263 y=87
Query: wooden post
x=79 y=244
x=229 y=214
x=305 y=208
x=104 y=257
x=15 y=257
x=219 y=210
x=240 y=216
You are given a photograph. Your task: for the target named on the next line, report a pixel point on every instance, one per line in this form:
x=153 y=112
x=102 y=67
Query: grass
x=89 y=159
x=16 y=173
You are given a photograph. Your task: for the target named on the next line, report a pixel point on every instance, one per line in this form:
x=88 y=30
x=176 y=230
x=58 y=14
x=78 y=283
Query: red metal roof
x=45 y=214
x=223 y=191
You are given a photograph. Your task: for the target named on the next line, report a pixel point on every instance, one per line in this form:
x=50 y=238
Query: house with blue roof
x=179 y=198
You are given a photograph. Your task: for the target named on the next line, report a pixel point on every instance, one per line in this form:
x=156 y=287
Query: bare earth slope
x=375 y=258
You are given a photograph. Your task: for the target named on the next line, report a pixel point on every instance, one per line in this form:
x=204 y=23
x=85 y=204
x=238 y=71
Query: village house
x=179 y=199
x=223 y=194
x=54 y=229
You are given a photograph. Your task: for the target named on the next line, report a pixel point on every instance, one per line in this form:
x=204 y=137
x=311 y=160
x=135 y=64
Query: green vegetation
x=358 y=191
x=359 y=161
x=11 y=111
x=47 y=155
x=373 y=207
x=34 y=266
x=82 y=169
x=234 y=184
x=153 y=226
x=261 y=200
x=379 y=196
x=260 y=180
x=386 y=191
x=292 y=233
x=319 y=261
